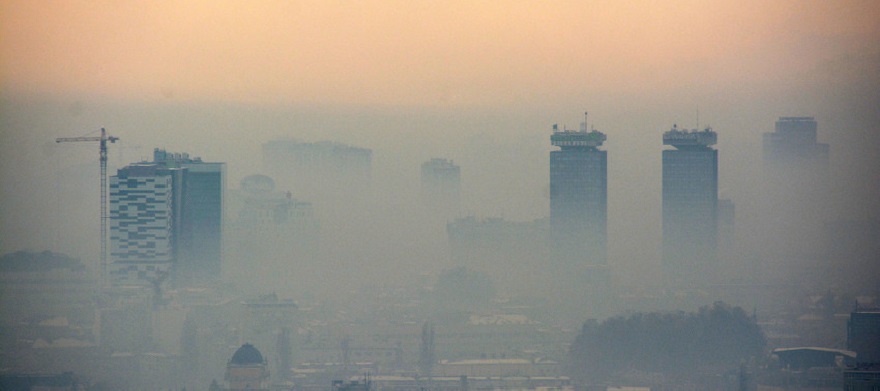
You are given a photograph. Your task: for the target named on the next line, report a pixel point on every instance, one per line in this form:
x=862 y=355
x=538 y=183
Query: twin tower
x=579 y=202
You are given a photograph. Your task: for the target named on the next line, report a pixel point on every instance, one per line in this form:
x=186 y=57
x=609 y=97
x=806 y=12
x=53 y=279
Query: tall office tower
x=690 y=207
x=795 y=193
x=578 y=196
x=441 y=187
x=142 y=220
x=318 y=171
x=201 y=216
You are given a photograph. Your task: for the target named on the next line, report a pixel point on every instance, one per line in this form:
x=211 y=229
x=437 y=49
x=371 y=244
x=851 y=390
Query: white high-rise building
x=141 y=223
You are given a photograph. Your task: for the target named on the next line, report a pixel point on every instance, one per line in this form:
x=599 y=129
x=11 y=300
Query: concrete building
x=690 y=206
x=166 y=218
x=200 y=234
x=441 y=187
x=862 y=378
x=578 y=197
x=319 y=170
x=863 y=335
x=272 y=238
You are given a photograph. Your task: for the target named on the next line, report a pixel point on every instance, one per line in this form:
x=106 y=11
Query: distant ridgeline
x=28 y=261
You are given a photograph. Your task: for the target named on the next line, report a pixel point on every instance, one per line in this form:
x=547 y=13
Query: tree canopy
x=715 y=337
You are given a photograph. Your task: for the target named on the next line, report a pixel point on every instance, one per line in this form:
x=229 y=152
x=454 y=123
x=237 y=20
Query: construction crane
x=102 y=140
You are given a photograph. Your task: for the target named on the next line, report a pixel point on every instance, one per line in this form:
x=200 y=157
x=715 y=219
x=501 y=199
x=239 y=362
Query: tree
x=713 y=338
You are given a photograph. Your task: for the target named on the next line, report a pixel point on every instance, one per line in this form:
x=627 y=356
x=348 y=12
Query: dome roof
x=247 y=354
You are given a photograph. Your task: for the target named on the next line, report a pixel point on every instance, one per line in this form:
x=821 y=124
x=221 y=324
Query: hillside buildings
x=690 y=206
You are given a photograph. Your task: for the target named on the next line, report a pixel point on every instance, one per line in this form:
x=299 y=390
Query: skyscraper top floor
x=567 y=139
x=690 y=139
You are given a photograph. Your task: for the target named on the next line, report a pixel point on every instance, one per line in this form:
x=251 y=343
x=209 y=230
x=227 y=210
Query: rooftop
x=247 y=354
x=684 y=139
x=576 y=139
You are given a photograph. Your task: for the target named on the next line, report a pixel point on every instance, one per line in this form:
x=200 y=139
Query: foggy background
x=480 y=84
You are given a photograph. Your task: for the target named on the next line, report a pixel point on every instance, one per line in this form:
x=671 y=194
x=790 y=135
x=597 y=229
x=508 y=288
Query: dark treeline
x=716 y=337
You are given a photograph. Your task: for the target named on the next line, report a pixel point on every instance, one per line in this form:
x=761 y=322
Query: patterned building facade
x=142 y=236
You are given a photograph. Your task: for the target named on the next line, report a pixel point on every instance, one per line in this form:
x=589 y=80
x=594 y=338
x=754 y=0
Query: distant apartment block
x=796 y=191
x=271 y=236
x=794 y=141
x=441 y=186
x=690 y=206
x=320 y=169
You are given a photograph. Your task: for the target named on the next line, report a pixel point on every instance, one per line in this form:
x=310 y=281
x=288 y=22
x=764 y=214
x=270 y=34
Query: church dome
x=247 y=354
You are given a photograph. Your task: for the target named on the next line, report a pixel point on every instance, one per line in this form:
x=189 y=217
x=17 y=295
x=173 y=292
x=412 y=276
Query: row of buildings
x=695 y=222
x=167 y=213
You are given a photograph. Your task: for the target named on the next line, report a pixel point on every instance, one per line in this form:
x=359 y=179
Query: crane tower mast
x=102 y=145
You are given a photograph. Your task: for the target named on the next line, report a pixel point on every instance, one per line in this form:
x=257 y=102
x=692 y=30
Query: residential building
x=441 y=187
x=319 y=170
x=794 y=142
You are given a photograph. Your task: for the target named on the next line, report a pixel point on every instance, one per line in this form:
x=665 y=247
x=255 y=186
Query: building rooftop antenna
x=586 y=124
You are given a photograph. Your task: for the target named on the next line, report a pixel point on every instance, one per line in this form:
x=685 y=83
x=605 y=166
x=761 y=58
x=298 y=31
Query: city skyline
x=593 y=258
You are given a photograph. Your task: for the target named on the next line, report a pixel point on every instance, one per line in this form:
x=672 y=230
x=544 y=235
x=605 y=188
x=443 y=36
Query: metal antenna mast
x=103 y=161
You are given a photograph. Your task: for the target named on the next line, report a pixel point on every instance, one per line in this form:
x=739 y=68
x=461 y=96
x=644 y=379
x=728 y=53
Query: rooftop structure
x=247 y=369
x=576 y=139
x=693 y=139
x=794 y=141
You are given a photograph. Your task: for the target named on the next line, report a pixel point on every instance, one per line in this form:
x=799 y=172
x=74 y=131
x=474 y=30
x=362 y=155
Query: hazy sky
x=480 y=82
x=433 y=53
